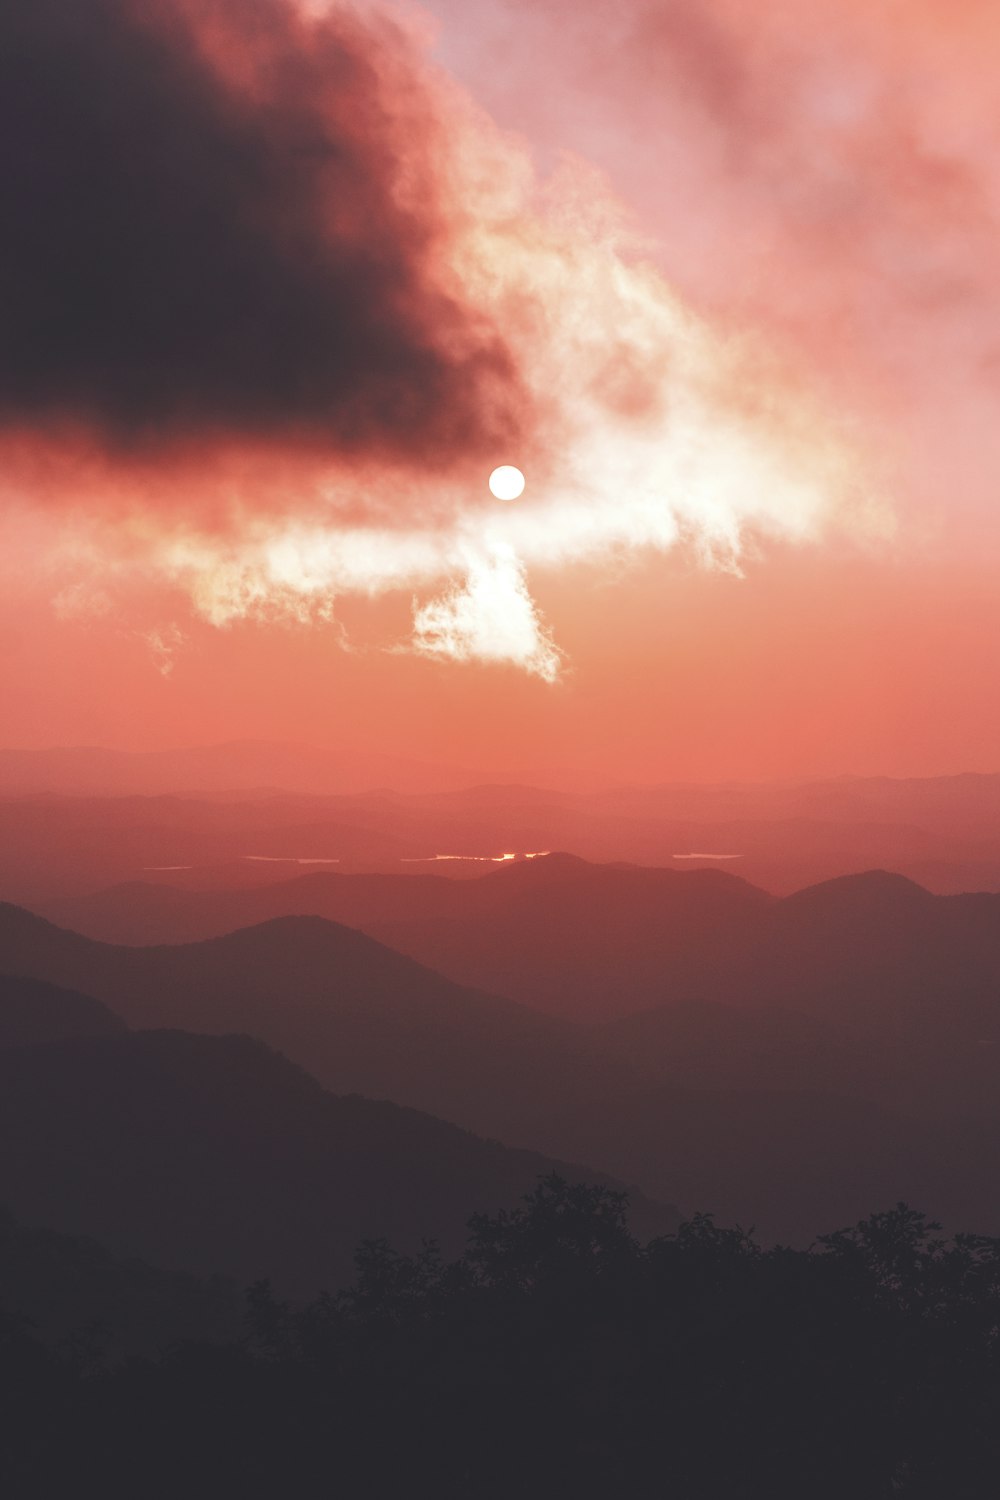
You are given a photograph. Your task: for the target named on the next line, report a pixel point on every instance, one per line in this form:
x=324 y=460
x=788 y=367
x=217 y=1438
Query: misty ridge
x=543 y=1166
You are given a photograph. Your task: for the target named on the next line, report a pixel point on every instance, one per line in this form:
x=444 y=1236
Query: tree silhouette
x=559 y=1357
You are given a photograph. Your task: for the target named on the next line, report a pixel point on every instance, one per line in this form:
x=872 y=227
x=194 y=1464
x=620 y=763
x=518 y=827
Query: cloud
x=490 y=617
x=828 y=172
x=221 y=219
x=164 y=645
x=295 y=295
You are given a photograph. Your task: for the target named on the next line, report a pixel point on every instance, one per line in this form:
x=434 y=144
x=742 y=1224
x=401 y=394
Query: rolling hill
x=215 y=1154
x=360 y=1017
x=794 y=1121
x=595 y=942
x=33 y=1011
x=558 y=933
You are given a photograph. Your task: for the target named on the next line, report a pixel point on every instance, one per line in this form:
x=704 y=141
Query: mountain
x=613 y=941
x=243 y=815
x=592 y=942
x=140 y=913
x=558 y=933
x=215 y=1154
x=704 y=1043
x=360 y=1017
x=55 y=845
x=880 y=951
x=795 y=1126
x=32 y=1011
x=581 y=940
x=79 y=1298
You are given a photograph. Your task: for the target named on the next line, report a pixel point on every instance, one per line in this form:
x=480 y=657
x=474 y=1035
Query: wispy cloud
x=490 y=617
x=164 y=643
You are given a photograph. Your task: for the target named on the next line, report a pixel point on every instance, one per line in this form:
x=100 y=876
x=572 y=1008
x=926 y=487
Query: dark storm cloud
x=206 y=230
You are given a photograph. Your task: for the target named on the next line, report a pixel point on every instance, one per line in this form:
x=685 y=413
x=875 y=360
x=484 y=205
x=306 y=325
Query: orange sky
x=812 y=665
x=750 y=370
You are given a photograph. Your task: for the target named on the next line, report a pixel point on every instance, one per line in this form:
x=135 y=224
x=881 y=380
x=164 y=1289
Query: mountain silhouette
x=33 y=1011
x=360 y=1017
x=216 y=1154
x=80 y=1299
x=592 y=942
x=558 y=933
x=141 y=913
x=795 y=1127
x=243 y=815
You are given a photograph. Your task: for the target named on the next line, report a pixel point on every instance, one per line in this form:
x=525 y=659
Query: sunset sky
x=285 y=280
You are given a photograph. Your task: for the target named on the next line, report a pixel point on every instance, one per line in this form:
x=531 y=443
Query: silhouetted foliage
x=559 y=1357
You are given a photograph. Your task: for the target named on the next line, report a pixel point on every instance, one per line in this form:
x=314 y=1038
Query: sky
x=285 y=281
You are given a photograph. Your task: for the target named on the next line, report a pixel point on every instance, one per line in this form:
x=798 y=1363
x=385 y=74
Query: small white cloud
x=164 y=643
x=490 y=617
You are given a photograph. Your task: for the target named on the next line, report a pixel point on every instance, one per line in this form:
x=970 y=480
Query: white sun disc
x=507 y=483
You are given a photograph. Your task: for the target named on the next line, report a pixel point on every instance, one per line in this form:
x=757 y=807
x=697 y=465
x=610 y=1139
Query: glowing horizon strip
x=476 y=859
x=288 y=859
x=706 y=856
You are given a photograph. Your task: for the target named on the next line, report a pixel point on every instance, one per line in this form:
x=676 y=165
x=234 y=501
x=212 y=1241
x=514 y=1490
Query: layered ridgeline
x=591 y=942
x=216 y=1154
x=33 y=1011
x=72 y=820
x=794 y=1116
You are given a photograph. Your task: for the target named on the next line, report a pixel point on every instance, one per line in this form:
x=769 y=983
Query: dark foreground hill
x=214 y=1154
x=557 y=1359
x=96 y=1307
x=33 y=1011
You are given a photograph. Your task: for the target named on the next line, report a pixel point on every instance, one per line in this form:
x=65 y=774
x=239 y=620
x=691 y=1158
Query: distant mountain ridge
x=588 y=942
x=361 y=1017
x=71 y=821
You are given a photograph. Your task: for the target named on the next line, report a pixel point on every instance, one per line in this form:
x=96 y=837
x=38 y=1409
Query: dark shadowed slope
x=79 y=1297
x=791 y=1152
x=358 y=1016
x=33 y=1011
x=215 y=1154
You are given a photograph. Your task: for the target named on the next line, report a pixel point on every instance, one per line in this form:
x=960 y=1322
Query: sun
x=507 y=483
